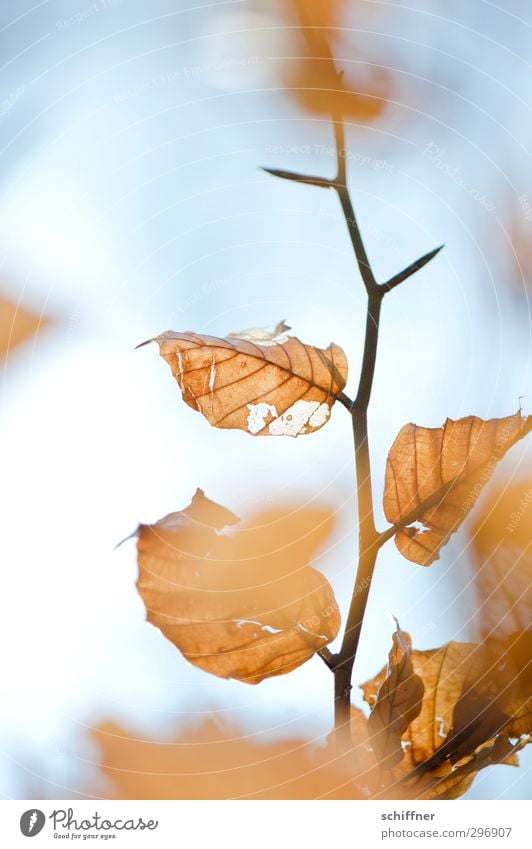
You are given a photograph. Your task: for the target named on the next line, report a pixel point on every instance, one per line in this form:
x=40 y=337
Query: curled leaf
x=435 y=475
x=445 y=782
x=473 y=692
x=475 y=697
x=397 y=703
x=282 y=388
x=443 y=672
x=243 y=604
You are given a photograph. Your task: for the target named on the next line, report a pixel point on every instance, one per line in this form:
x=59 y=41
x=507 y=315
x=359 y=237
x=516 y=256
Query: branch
x=410 y=269
x=327 y=656
x=418 y=511
x=345 y=400
x=309 y=180
x=369 y=540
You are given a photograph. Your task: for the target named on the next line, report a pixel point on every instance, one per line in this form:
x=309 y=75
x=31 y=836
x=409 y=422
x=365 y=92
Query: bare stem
x=370 y=540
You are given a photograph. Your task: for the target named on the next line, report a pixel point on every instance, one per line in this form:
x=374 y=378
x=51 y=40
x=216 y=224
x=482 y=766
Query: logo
x=32 y=822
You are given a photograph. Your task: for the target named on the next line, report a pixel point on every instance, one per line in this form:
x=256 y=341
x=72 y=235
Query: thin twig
x=327 y=656
x=411 y=269
x=369 y=539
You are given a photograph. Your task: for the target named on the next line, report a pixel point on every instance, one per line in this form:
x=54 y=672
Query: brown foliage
x=443 y=671
x=244 y=604
x=218 y=761
x=397 y=702
x=435 y=475
x=269 y=387
x=17 y=325
x=375 y=781
x=502 y=560
x=476 y=697
x=313 y=80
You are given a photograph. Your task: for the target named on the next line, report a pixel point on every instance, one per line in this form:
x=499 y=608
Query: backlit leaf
x=276 y=388
x=243 y=604
x=17 y=325
x=501 y=547
x=397 y=703
x=435 y=475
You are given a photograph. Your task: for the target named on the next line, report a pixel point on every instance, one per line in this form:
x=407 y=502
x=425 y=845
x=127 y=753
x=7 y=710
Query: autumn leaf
x=17 y=325
x=244 y=604
x=278 y=387
x=442 y=781
x=490 y=692
x=217 y=760
x=445 y=782
x=472 y=692
x=435 y=475
x=501 y=546
x=496 y=694
x=517 y=648
x=476 y=697
x=397 y=703
x=443 y=672
x=311 y=77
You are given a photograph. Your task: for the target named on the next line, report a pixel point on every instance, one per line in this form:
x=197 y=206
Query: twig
x=411 y=269
x=369 y=539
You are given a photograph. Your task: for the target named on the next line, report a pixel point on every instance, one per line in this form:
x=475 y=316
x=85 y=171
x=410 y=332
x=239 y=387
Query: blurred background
x=132 y=202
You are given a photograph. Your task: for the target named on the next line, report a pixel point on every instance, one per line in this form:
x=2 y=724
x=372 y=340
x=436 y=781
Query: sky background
x=132 y=202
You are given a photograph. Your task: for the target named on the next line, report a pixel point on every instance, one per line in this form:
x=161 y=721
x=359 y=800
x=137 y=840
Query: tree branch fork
x=370 y=540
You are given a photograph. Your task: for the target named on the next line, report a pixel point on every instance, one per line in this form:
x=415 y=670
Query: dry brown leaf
x=312 y=79
x=217 y=761
x=443 y=672
x=397 y=703
x=519 y=710
x=17 y=325
x=502 y=560
x=443 y=781
x=484 y=706
x=243 y=605
x=472 y=693
x=447 y=467
x=272 y=388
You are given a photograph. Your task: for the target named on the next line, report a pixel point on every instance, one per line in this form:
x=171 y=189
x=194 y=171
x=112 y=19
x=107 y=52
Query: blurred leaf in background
x=17 y=325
